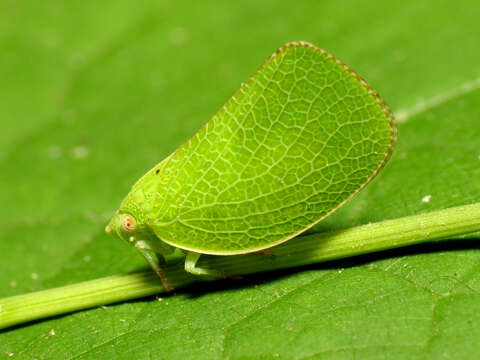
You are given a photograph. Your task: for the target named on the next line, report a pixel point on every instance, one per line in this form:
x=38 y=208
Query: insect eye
x=128 y=224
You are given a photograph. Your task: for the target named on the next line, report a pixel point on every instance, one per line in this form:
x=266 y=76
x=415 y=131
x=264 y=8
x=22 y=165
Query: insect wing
x=294 y=143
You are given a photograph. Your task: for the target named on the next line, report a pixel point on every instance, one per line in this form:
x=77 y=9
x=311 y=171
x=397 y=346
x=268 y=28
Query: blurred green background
x=92 y=94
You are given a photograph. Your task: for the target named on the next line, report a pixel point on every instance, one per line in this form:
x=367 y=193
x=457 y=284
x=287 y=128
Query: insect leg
x=266 y=253
x=191 y=267
x=154 y=264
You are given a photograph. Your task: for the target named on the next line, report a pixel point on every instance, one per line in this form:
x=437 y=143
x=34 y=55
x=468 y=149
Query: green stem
x=303 y=250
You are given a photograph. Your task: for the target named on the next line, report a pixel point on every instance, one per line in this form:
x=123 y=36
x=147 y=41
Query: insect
x=300 y=137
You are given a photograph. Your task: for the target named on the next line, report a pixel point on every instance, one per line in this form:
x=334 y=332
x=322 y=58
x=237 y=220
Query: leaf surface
x=94 y=94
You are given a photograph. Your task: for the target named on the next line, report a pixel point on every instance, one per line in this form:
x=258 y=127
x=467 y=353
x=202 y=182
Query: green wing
x=294 y=143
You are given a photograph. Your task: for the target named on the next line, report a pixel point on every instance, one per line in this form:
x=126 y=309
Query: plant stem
x=303 y=250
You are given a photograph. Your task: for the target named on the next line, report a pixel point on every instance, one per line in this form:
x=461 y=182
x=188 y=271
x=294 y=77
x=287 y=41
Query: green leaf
x=95 y=94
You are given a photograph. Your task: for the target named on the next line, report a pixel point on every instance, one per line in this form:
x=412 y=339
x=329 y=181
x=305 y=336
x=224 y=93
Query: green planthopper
x=301 y=137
